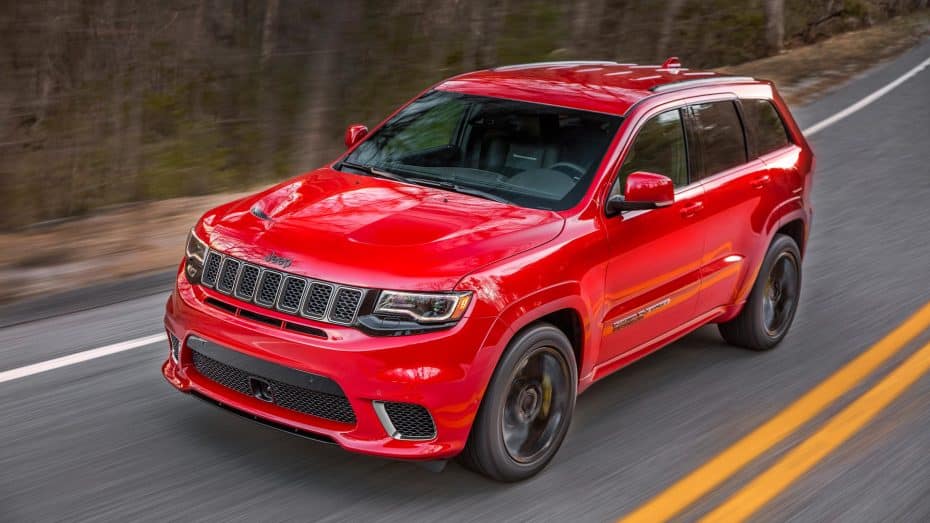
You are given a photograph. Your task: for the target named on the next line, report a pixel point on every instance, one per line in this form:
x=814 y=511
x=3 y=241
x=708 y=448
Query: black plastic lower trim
x=320 y=438
x=265 y=369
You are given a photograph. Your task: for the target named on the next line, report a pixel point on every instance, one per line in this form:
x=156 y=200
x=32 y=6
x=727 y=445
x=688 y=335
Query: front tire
x=773 y=301
x=527 y=407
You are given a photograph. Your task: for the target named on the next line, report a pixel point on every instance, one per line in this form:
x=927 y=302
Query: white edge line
x=823 y=124
x=71 y=359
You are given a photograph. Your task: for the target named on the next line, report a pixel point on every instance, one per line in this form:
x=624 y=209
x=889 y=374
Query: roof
x=606 y=87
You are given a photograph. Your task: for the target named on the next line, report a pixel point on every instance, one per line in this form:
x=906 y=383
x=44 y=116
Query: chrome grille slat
x=317 y=301
x=344 y=306
x=248 y=281
x=268 y=287
x=292 y=294
x=229 y=274
x=211 y=268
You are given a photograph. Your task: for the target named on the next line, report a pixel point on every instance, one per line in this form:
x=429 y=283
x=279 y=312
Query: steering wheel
x=578 y=171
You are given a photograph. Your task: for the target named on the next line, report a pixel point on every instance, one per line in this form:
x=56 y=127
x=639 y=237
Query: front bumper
x=445 y=372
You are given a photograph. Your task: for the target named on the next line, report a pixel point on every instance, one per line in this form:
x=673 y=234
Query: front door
x=654 y=272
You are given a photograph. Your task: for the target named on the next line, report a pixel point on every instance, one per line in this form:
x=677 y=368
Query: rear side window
x=659 y=147
x=765 y=126
x=720 y=137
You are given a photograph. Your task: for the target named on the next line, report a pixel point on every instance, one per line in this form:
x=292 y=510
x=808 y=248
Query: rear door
x=737 y=203
x=770 y=142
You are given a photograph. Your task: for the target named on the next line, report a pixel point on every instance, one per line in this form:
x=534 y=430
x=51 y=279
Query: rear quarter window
x=765 y=127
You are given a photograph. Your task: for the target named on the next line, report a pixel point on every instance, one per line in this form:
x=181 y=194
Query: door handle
x=760 y=181
x=691 y=209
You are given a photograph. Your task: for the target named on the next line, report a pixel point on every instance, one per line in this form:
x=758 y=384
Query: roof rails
x=684 y=84
x=557 y=63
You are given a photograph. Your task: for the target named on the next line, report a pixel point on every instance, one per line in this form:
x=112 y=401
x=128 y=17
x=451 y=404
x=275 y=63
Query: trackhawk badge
x=638 y=315
x=280 y=261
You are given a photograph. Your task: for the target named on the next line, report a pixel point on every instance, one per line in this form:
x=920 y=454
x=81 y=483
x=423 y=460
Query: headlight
x=423 y=308
x=195 y=251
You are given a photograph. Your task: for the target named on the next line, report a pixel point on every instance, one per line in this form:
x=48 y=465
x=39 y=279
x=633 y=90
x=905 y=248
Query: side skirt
x=647 y=348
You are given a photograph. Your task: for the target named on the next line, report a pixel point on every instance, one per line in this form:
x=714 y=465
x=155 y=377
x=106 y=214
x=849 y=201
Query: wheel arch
x=793 y=224
x=563 y=307
x=567 y=320
x=796 y=229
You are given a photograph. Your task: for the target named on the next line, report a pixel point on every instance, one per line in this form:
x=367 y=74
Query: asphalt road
x=108 y=439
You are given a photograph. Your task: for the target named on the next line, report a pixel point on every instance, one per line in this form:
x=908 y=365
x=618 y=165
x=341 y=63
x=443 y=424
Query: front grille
x=299 y=399
x=410 y=421
x=283 y=291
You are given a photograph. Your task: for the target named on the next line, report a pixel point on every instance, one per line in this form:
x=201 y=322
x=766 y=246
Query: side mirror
x=355 y=133
x=643 y=191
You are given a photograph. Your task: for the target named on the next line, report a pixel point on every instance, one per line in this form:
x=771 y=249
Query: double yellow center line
x=754 y=495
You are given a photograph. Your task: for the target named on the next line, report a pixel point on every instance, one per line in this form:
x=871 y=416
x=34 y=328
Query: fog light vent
x=175 y=346
x=405 y=420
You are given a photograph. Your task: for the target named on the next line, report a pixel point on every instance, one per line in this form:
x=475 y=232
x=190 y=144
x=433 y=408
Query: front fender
x=522 y=312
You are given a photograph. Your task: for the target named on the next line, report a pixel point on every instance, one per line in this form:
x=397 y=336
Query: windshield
x=528 y=154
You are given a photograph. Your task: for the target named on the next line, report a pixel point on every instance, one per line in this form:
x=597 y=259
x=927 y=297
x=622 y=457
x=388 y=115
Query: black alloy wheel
x=773 y=301
x=534 y=408
x=527 y=407
x=780 y=296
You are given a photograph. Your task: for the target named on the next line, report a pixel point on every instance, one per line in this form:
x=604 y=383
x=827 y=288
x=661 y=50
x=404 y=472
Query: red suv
x=451 y=283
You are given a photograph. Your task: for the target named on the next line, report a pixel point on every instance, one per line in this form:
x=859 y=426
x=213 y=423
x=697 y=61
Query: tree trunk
x=320 y=86
x=474 y=37
x=487 y=48
x=774 y=25
x=585 y=28
x=269 y=35
x=267 y=116
x=668 y=24
x=621 y=48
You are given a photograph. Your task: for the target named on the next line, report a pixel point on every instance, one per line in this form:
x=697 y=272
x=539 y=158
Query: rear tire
x=773 y=301
x=527 y=407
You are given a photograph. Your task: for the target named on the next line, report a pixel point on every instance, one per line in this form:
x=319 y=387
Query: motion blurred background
x=108 y=102
x=120 y=118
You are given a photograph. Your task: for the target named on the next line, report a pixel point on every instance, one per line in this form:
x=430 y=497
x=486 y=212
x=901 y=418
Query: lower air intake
x=300 y=399
x=175 y=345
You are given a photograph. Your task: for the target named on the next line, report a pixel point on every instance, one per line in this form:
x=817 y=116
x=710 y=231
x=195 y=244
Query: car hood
x=372 y=232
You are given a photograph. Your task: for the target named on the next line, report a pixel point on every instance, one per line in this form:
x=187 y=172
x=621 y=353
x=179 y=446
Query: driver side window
x=659 y=148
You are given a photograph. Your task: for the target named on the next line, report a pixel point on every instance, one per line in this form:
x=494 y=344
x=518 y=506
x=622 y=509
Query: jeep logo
x=280 y=261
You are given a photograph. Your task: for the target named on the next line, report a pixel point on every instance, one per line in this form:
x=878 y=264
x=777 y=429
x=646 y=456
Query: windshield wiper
x=372 y=171
x=449 y=186
x=441 y=184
